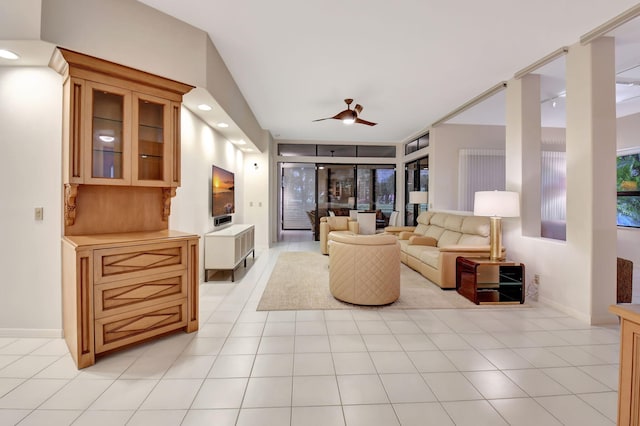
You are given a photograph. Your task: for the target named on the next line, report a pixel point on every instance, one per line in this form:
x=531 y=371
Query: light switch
x=250 y=203
x=39 y=214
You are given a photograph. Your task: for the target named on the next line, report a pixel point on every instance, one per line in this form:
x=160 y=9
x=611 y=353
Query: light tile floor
x=496 y=366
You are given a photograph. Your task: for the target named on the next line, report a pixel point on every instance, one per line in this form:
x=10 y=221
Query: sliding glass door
x=298 y=195
x=311 y=191
x=416 y=179
x=376 y=188
x=336 y=188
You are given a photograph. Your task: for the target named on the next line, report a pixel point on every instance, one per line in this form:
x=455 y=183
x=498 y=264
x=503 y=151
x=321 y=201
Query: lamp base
x=495 y=238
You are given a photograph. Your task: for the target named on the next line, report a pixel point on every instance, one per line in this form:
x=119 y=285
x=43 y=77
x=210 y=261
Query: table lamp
x=496 y=205
x=418 y=197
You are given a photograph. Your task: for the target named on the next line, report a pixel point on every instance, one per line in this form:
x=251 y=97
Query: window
x=296 y=150
x=417 y=144
x=628 y=187
x=312 y=150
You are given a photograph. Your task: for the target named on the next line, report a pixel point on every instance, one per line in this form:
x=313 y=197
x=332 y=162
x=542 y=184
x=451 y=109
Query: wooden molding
x=167 y=195
x=70 y=63
x=70 y=195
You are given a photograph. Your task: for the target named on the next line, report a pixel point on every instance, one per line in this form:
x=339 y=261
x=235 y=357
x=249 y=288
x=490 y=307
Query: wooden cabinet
x=125 y=276
x=227 y=248
x=120 y=289
x=122 y=125
x=629 y=378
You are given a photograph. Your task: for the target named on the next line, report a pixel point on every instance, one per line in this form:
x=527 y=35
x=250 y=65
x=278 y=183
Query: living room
x=256 y=185
x=573 y=276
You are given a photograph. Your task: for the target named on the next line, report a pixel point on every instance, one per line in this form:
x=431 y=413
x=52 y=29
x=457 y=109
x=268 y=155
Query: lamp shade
x=496 y=203
x=418 y=197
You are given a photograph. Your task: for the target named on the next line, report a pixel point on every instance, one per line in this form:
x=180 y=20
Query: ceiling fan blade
x=368 y=123
x=346 y=114
x=321 y=119
x=358 y=108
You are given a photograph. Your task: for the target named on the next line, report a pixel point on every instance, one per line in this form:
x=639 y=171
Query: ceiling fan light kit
x=349 y=116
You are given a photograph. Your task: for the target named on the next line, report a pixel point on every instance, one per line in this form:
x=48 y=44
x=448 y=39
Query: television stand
x=225 y=249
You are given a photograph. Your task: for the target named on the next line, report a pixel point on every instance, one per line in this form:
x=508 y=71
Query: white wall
x=133 y=34
x=256 y=196
x=30 y=167
x=576 y=276
x=30 y=136
x=202 y=147
x=445 y=141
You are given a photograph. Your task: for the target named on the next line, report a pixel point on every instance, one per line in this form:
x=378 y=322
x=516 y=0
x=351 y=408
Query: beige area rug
x=300 y=281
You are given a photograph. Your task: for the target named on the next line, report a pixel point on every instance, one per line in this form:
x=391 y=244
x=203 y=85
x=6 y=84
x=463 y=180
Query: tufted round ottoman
x=365 y=269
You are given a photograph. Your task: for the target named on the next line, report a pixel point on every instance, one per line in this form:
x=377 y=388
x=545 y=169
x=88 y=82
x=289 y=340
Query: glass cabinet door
x=108 y=156
x=151 y=129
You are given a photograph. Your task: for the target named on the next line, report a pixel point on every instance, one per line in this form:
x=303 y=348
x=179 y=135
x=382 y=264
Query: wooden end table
x=485 y=281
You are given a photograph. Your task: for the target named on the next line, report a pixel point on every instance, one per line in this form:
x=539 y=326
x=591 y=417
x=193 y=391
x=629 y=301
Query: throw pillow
x=423 y=241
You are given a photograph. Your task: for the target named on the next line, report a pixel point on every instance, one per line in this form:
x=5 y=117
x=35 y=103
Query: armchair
x=335 y=224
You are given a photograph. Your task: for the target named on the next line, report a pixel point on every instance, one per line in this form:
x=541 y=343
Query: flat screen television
x=222 y=192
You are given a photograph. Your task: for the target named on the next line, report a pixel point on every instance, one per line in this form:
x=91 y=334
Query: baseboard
x=605 y=319
x=31 y=333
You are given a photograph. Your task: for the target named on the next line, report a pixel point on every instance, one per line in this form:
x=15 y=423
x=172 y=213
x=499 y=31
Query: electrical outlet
x=39 y=213
x=536 y=279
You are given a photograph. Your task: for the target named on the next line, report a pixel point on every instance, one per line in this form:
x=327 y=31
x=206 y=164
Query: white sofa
x=432 y=246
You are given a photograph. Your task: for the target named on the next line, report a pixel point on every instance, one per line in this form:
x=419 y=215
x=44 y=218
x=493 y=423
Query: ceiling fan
x=349 y=116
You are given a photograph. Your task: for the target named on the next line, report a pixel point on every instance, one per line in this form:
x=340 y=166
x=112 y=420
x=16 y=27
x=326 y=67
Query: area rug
x=300 y=281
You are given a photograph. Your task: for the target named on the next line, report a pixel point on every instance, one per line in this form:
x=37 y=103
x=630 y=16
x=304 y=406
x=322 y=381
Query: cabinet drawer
x=121 y=263
x=123 y=329
x=122 y=296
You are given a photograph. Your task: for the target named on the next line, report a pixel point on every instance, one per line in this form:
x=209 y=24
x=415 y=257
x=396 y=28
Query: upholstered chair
x=364 y=269
x=335 y=224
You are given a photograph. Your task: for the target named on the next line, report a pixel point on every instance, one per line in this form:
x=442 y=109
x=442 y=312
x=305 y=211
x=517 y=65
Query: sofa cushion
x=423 y=241
x=453 y=222
x=403 y=245
x=434 y=231
x=477 y=225
x=424 y=218
x=439 y=219
x=473 y=240
x=421 y=229
x=449 y=238
x=430 y=256
x=417 y=251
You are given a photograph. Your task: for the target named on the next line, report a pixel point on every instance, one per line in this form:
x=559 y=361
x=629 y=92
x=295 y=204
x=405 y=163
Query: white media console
x=226 y=248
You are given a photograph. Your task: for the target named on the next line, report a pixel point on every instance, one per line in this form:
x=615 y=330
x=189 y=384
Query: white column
x=591 y=196
x=523 y=148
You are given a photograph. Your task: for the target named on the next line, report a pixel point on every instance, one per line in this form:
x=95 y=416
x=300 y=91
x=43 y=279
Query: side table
x=485 y=281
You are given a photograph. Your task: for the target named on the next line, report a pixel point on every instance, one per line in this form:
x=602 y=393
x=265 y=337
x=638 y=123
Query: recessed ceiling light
x=241 y=142
x=7 y=54
x=248 y=150
x=223 y=125
x=204 y=107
